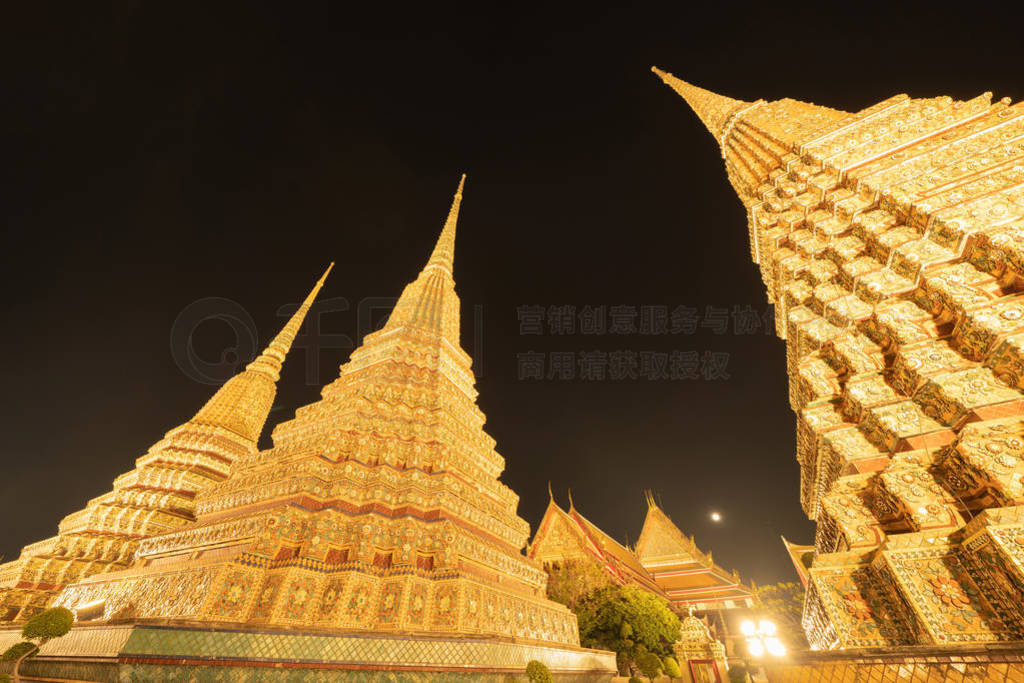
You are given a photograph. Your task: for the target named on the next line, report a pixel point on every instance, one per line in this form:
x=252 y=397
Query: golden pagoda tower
x=891 y=242
x=374 y=534
x=159 y=494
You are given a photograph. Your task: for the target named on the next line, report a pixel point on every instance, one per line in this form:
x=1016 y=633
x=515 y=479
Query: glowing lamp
x=775 y=647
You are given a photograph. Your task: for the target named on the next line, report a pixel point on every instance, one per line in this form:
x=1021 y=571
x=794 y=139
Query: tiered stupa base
x=180 y=652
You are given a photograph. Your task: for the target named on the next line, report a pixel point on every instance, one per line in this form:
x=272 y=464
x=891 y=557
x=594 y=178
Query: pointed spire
x=242 y=404
x=551 y=496
x=271 y=360
x=714 y=110
x=572 y=506
x=429 y=301
x=444 y=250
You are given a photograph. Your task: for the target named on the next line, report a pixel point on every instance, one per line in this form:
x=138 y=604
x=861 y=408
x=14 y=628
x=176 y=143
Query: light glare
x=748 y=628
x=775 y=647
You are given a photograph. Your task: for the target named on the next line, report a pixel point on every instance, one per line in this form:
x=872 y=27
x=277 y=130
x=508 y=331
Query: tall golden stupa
x=374 y=535
x=159 y=495
x=891 y=242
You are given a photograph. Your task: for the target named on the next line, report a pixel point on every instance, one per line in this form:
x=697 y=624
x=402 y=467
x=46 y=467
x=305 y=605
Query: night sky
x=155 y=156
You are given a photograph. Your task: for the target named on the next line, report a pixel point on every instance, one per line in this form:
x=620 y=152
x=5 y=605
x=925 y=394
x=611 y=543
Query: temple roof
x=679 y=567
x=565 y=535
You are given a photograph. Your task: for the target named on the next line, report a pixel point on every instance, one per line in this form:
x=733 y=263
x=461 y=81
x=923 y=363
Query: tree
x=538 y=672
x=784 y=602
x=629 y=621
x=671 y=667
x=649 y=665
x=45 y=626
x=572 y=581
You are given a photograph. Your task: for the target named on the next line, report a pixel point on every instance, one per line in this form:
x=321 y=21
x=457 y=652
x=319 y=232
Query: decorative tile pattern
x=164 y=653
x=192 y=457
x=377 y=508
x=888 y=239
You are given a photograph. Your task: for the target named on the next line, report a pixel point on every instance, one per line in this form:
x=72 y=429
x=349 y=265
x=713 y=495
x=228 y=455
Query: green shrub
x=538 y=672
x=17 y=651
x=43 y=626
x=628 y=621
x=671 y=667
x=649 y=665
x=51 y=623
x=635 y=679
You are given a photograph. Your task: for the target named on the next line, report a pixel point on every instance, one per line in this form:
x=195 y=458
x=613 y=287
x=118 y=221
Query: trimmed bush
x=649 y=665
x=538 y=672
x=671 y=667
x=42 y=627
x=51 y=623
x=17 y=651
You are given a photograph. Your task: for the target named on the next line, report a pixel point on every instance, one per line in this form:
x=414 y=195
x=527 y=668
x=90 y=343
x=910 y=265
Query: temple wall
x=160 y=653
x=993 y=664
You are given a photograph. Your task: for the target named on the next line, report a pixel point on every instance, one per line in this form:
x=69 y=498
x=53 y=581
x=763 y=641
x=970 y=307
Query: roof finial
x=551 y=496
x=444 y=251
x=714 y=110
x=572 y=505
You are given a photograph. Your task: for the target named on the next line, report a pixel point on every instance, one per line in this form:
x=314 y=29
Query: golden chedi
x=891 y=242
x=159 y=494
x=373 y=535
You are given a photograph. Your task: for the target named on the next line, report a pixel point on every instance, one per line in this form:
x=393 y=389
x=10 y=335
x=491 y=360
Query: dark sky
x=156 y=155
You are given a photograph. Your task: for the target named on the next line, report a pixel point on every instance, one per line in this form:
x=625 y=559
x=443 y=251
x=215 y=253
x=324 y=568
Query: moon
x=715 y=517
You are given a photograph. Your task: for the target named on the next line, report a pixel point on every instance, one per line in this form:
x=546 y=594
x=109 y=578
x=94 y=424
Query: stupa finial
x=714 y=110
x=271 y=360
x=444 y=251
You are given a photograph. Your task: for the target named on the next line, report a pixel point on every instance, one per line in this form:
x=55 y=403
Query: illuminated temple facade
x=566 y=536
x=665 y=562
x=688 y=576
x=891 y=241
x=374 y=534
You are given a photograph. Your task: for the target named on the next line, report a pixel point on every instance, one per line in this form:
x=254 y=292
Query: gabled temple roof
x=567 y=535
x=681 y=569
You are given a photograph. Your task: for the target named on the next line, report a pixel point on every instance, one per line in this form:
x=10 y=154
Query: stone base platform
x=993 y=663
x=149 y=652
